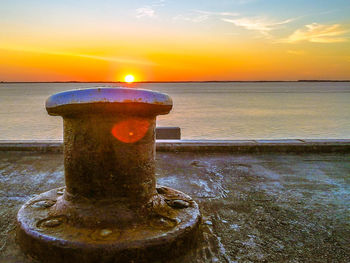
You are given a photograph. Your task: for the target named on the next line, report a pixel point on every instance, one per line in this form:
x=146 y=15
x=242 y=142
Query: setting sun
x=129 y=78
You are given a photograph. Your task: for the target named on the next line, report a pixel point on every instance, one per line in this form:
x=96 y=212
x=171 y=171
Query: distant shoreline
x=209 y=81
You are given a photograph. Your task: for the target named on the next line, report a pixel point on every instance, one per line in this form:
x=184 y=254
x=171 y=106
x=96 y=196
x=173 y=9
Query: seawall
x=233 y=146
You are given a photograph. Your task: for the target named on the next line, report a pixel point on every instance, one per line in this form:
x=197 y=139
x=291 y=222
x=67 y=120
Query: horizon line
x=180 y=81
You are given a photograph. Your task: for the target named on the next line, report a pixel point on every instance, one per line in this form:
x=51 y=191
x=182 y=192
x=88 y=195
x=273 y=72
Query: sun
x=129 y=78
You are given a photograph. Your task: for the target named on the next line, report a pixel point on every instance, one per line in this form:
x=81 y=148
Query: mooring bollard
x=111 y=209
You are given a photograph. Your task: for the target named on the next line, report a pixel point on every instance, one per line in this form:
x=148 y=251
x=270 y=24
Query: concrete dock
x=261 y=201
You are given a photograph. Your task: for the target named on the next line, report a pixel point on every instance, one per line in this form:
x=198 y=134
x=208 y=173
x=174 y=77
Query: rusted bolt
x=109 y=166
x=177 y=203
x=43 y=203
x=105 y=232
x=51 y=221
x=60 y=191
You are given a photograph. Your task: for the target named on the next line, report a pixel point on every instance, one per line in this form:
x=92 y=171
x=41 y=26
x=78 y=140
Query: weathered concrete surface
x=256 y=208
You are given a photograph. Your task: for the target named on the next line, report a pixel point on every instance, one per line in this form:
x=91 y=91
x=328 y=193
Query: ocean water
x=232 y=110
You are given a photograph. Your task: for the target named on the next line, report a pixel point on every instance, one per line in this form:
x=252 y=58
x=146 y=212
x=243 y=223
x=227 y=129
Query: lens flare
x=131 y=130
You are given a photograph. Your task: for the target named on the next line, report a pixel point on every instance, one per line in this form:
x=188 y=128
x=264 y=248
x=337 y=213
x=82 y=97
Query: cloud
x=150 y=10
x=296 y=52
x=198 y=16
x=318 y=33
x=145 y=12
x=88 y=56
x=158 y=3
x=194 y=19
x=217 y=13
x=261 y=25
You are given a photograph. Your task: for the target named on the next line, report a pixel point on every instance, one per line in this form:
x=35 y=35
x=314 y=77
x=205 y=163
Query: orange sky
x=155 y=41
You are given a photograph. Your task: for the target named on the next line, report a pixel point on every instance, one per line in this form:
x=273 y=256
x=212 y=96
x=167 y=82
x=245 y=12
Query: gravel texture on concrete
x=267 y=207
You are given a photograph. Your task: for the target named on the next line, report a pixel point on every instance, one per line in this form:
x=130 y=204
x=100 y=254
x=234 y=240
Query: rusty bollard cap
x=109 y=100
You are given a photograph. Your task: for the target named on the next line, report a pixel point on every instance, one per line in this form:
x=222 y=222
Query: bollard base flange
x=49 y=237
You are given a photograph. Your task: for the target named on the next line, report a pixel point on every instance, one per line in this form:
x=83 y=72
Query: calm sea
x=269 y=110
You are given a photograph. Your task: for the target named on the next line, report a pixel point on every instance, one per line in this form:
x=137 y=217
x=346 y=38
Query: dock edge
x=233 y=146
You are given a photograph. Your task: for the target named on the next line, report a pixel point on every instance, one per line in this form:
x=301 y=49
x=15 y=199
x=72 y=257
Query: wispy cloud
x=112 y=59
x=296 y=52
x=210 y=13
x=194 y=19
x=198 y=16
x=318 y=33
x=145 y=12
x=262 y=25
x=149 y=10
x=158 y=3
x=88 y=56
x=259 y=24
